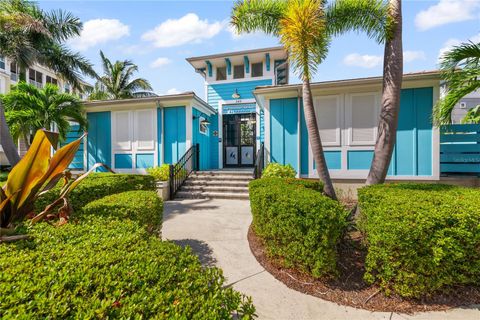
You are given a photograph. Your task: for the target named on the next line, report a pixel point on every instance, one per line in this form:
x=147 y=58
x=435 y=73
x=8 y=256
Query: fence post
x=171 y=181
x=197 y=157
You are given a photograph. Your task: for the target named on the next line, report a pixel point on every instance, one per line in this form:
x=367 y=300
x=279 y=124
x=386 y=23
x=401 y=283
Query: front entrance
x=239 y=131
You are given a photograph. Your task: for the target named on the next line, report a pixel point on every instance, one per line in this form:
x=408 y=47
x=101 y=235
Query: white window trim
x=349 y=120
x=115 y=146
x=200 y=119
x=339 y=123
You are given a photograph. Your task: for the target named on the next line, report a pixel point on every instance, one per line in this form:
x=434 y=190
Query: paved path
x=217 y=231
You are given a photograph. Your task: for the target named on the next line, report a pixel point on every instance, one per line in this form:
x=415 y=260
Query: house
x=249 y=103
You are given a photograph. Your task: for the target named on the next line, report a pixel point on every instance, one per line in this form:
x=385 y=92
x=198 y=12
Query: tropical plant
x=29 y=109
x=161 y=173
x=29 y=35
x=277 y=170
x=472 y=116
x=117 y=82
x=305 y=28
x=36 y=173
x=461 y=71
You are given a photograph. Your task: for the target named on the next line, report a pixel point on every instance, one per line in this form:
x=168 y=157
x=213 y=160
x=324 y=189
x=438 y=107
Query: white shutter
x=327 y=111
x=122 y=130
x=363 y=109
x=145 y=129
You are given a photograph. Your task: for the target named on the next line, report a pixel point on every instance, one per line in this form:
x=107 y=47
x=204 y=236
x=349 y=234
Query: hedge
x=144 y=207
x=107 y=269
x=99 y=185
x=277 y=170
x=297 y=223
x=421 y=237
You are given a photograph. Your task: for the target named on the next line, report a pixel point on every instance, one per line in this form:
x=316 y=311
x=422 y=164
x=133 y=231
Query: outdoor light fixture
x=205 y=122
x=236 y=95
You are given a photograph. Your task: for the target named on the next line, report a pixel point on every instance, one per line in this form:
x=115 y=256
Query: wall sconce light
x=205 y=122
x=236 y=95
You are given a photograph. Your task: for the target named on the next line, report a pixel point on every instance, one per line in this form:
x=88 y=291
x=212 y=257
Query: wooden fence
x=460 y=149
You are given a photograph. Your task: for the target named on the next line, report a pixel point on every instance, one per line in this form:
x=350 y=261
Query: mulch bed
x=350 y=289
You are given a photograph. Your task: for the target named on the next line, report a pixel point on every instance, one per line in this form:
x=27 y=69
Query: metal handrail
x=259 y=162
x=180 y=171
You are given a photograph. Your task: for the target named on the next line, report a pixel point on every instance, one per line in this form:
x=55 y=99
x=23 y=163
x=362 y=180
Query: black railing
x=180 y=171
x=259 y=162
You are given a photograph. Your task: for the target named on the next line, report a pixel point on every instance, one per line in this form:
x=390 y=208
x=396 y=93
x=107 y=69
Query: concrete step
x=210 y=195
x=219 y=183
x=222 y=188
x=219 y=178
x=224 y=173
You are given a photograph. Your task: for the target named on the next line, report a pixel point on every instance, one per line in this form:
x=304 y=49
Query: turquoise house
x=249 y=102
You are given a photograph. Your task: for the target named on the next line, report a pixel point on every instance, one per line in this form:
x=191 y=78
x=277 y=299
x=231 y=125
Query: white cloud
x=99 y=31
x=237 y=36
x=409 y=56
x=160 y=62
x=187 y=29
x=171 y=91
x=364 y=61
x=447 y=11
x=452 y=42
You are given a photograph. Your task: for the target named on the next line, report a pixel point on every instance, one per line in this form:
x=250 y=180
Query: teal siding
x=144 y=160
x=175 y=134
x=261 y=134
x=99 y=139
x=333 y=159
x=284 y=131
x=304 y=142
x=224 y=91
x=214 y=142
x=359 y=160
x=123 y=161
x=72 y=135
x=202 y=139
x=159 y=136
x=460 y=148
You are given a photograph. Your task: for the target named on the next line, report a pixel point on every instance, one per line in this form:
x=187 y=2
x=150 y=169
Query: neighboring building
x=468 y=102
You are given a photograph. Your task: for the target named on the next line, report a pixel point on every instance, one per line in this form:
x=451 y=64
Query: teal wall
x=159 y=136
x=72 y=135
x=144 y=160
x=284 y=131
x=123 y=161
x=224 y=91
x=175 y=133
x=359 y=159
x=99 y=139
x=203 y=140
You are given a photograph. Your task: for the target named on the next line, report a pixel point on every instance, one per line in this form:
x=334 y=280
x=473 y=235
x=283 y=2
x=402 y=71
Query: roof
x=235 y=53
x=164 y=100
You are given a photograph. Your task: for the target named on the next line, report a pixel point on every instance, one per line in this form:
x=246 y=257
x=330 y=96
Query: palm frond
x=62 y=24
x=258 y=15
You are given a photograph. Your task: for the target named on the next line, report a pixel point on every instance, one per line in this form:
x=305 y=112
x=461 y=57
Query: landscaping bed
x=360 y=282
x=109 y=262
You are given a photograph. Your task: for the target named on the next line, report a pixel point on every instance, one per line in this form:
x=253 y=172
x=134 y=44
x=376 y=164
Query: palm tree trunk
x=392 y=85
x=315 y=140
x=6 y=140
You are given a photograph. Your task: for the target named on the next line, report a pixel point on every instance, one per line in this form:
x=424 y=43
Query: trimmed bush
x=297 y=223
x=102 y=268
x=277 y=170
x=421 y=237
x=99 y=185
x=145 y=207
x=161 y=173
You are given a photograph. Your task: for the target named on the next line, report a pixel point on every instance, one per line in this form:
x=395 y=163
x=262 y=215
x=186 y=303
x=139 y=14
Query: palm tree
x=117 y=82
x=29 y=35
x=461 y=71
x=305 y=28
x=29 y=109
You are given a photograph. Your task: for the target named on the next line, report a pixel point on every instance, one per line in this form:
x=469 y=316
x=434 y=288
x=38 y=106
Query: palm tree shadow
x=200 y=249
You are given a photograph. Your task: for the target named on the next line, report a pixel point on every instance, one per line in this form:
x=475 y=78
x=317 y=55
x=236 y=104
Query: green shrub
x=276 y=170
x=97 y=186
x=161 y=173
x=102 y=268
x=421 y=237
x=297 y=223
x=142 y=206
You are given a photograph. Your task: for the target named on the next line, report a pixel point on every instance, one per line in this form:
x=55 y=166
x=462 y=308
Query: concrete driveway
x=216 y=230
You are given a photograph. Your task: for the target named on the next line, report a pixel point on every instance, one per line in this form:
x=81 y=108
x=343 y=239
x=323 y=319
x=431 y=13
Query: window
x=327 y=111
x=35 y=77
x=362 y=112
x=2 y=63
x=202 y=125
x=222 y=73
x=13 y=71
x=239 y=72
x=144 y=129
x=122 y=131
x=257 y=69
x=51 y=80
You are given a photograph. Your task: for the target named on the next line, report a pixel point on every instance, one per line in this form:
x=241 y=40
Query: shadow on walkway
x=178 y=207
x=199 y=248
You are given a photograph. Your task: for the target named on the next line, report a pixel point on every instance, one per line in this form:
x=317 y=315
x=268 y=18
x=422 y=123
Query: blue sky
x=159 y=35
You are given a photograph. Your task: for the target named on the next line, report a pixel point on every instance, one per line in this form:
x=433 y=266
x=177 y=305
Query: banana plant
x=36 y=173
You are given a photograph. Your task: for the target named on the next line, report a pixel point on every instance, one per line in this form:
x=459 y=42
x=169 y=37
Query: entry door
x=239 y=140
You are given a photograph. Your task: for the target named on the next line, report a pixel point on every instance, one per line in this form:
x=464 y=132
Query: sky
x=159 y=35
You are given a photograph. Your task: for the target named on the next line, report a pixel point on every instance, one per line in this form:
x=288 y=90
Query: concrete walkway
x=217 y=232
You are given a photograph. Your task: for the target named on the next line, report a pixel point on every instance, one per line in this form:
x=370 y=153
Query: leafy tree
x=29 y=109
x=305 y=29
x=117 y=82
x=461 y=71
x=29 y=35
